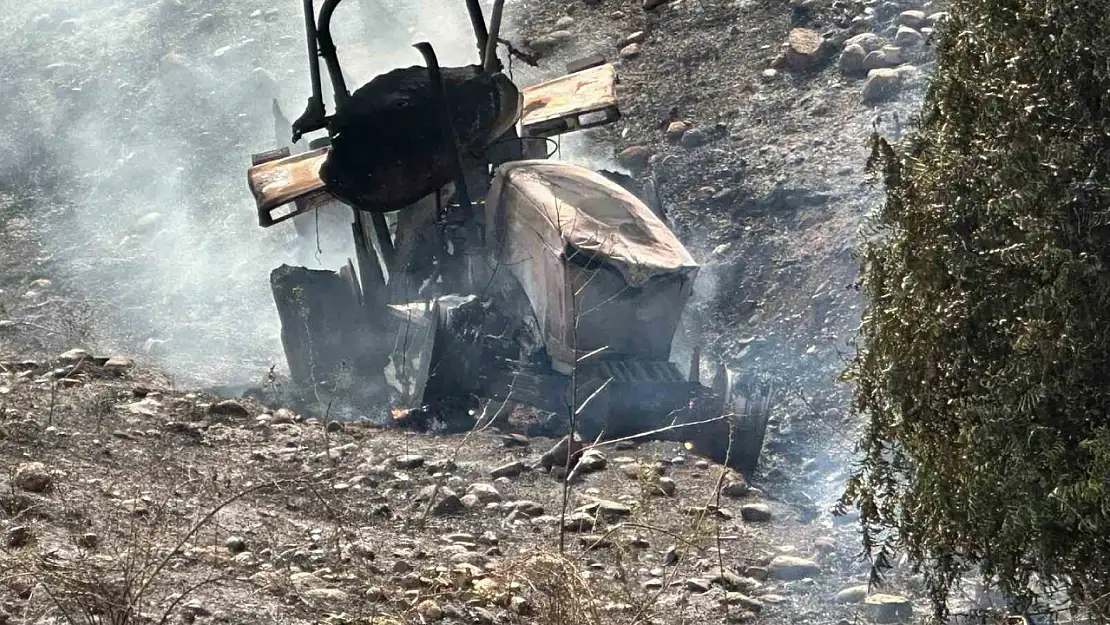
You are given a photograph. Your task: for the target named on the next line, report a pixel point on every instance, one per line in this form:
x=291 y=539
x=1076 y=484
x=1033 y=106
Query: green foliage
x=984 y=368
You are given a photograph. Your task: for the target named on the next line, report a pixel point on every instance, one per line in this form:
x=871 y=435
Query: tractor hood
x=600 y=269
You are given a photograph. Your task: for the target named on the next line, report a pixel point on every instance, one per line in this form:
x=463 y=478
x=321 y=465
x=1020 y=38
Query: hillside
x=127 y=230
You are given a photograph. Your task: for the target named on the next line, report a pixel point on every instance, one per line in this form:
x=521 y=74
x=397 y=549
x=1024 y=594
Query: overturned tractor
x=487 y=273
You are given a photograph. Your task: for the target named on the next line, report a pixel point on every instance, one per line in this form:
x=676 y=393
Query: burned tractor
x=486 y=272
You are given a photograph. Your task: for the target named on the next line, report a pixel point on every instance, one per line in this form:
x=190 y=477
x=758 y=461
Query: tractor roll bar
x=327 y=50
x=478 y=23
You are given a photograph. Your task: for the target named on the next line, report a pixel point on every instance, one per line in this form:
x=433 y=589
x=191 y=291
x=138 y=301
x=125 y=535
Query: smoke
x=145 y=115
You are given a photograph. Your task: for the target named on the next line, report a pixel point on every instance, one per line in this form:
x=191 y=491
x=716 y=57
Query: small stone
x=654 y=4
x=579 y=522
x=676 y=129
x=670 y=557
x=228 y=408
x=325 y=594
x=605 y=509
x=449 y=503
x=694 y=137
x=852 y=594
x=117 y=364
x=868 y=41
x=824 y=545
x=634 y=158
x=881 y=608
x=235 y=544
x=334 y=427
x=637 y=37
x=511 y=469
x=744 y=601
x=803 y=48
x=755 y=512
x=74 y=356
x=630 y=51
x=552 y=41
x=430 y=610
x=882 y=84
x=907 y=37
x=87 y=541
x=851 y=59
x=485 y=493
x=792 y=568
x=33 y=478
x=409 y=461
x=936 y=18
x=471 y=501
x=520 y=605
x=912 y=18
x=400 y=567
x=528 y=508
x=17 y=536
x=515 y=440
x=737 y=488
x=591 y=461
x=699 y=586
x=664 y=486
x=564 y=22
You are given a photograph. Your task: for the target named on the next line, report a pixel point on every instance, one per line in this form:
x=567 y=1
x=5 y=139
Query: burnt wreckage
x=485 y=271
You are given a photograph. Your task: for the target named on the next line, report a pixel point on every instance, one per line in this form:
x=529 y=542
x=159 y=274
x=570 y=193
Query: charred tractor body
x=489 y=279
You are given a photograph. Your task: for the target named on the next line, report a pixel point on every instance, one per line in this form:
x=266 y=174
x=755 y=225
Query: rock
x=74 y=356
x=736 y=583
x=485 y=493
x=334 y=427
x=591 y=461
x=630 y=51
x=564 y=22
x=228 y=408
x=511 y=469
x=882 y=608
x=528 y=508
x=33 y=478
x=605 y=509
x=803 y=48
x=699 y=586
x=579 y=522
x=519 y=605
x=449 y=503
x=868 y=41
x=471 y=501
x=303 y=581
x=792 y=568
x=664 y=486
x=670 y=556
x=409 y=461
x=654 y=4
x=851 y=59
x=87 y=541
x=325 y=594
x=694 y=137
x=887 y=56
x=736 y=488
x=634 y=158
x=852 y=594
x=936 y=18
x=235 y=545
x=824 y=545
x=637 y=37
x=907 y=37
x=430 y=610
x=744 y=601
x=117 y=364
x=912 y=18
x=769 y=74
x=882 y=84
x=515 y=440
x=675 y=130
x=545 y=44
x=755 y=512
x=17 y=536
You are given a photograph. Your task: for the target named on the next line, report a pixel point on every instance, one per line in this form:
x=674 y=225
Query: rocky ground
x=125 y=493
x=751 y=118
